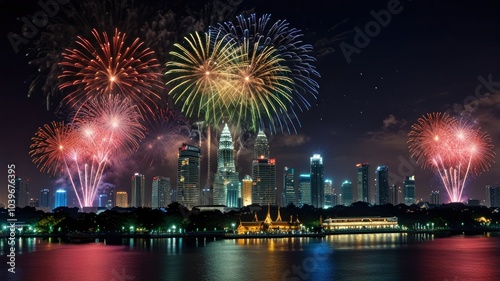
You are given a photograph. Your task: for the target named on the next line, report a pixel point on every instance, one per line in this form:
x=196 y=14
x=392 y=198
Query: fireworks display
x=216 y=79
x=453 y=148
x=103 y=130
x=259 y=33
x=111 y=67
x=252 y=77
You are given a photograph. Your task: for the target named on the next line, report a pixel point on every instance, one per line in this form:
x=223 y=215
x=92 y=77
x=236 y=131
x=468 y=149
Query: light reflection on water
x=334 y=257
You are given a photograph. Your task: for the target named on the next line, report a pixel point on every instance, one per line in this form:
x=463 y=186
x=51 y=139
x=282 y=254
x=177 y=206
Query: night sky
x=430 y=56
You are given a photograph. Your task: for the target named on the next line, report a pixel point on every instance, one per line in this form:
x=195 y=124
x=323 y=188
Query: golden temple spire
x=279 y=215
x=268 y=219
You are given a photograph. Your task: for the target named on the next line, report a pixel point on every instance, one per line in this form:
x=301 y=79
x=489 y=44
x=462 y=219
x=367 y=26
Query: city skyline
x=421 y=61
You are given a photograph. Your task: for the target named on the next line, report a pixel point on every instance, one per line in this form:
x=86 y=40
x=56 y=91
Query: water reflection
x=334 y=257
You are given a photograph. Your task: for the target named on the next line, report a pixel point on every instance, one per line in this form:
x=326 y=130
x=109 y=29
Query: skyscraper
x=122 y=199
x=435 y=197
x=61 y=199
x=317 y=181
x=304 y=189
x=107 y=197
x=347 y=193
x=160 y=192
x=363 y=185
x=22 y=194
x=263 y=173
x=289 y=185
x=138 y=190
x=493 y=195
x=226 y=185
x=188 y=176
x=44 y=198
x=261 y=146
x=246 y=191
x=395 y=194
x=264 y=181
x=382 y=185
x=409 y=190
x=329 y=192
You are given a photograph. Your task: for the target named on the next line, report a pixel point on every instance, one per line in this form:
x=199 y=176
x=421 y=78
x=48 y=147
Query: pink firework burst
x=453 y=148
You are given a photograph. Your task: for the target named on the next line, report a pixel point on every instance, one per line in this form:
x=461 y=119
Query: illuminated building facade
x=106 y=197
x=360 y=223
x=160 y=192
x=261 y=146
x=138 y=190
x=121 y=199
x=382 y=185
x=61 y=198
x=317 y=181
x=347 y=193
x=188 y=176
x=304 y=189
x=289 y=186
x=246 y=190
x=409 y=190
x=226 y=184
x=330 y=201
x=363 y=182
x=264 y=181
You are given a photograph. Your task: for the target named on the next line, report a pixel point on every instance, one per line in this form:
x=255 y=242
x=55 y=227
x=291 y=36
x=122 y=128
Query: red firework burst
x=453 y=148
x=111 y=67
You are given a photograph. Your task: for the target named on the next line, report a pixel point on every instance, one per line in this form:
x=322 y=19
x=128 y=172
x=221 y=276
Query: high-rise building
x=289 y=186
x=121 y=199
x=160 y=192
x=61 y=198
x=304 y=189
x=409 y=190
x=107 y=197
x=261 y=146
x=347 y=193
x=382 y=185
x=435 y=197
x=34 y=202
x=493 y=195
x=246 y=191
x=363 y=183
x=329 y=191
x=395 y=194
x=226 y=186
x=22 y=194
x=103 y=200
x=44 y=198
x=188 y=176
x=317 y=181
x=264 y=181
x=138 y=190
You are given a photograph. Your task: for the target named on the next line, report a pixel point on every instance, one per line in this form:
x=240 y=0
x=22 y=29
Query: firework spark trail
x=104 y=129
x=452 y=148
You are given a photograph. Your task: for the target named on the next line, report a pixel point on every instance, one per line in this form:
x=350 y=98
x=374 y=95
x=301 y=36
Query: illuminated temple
x=268 y=225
